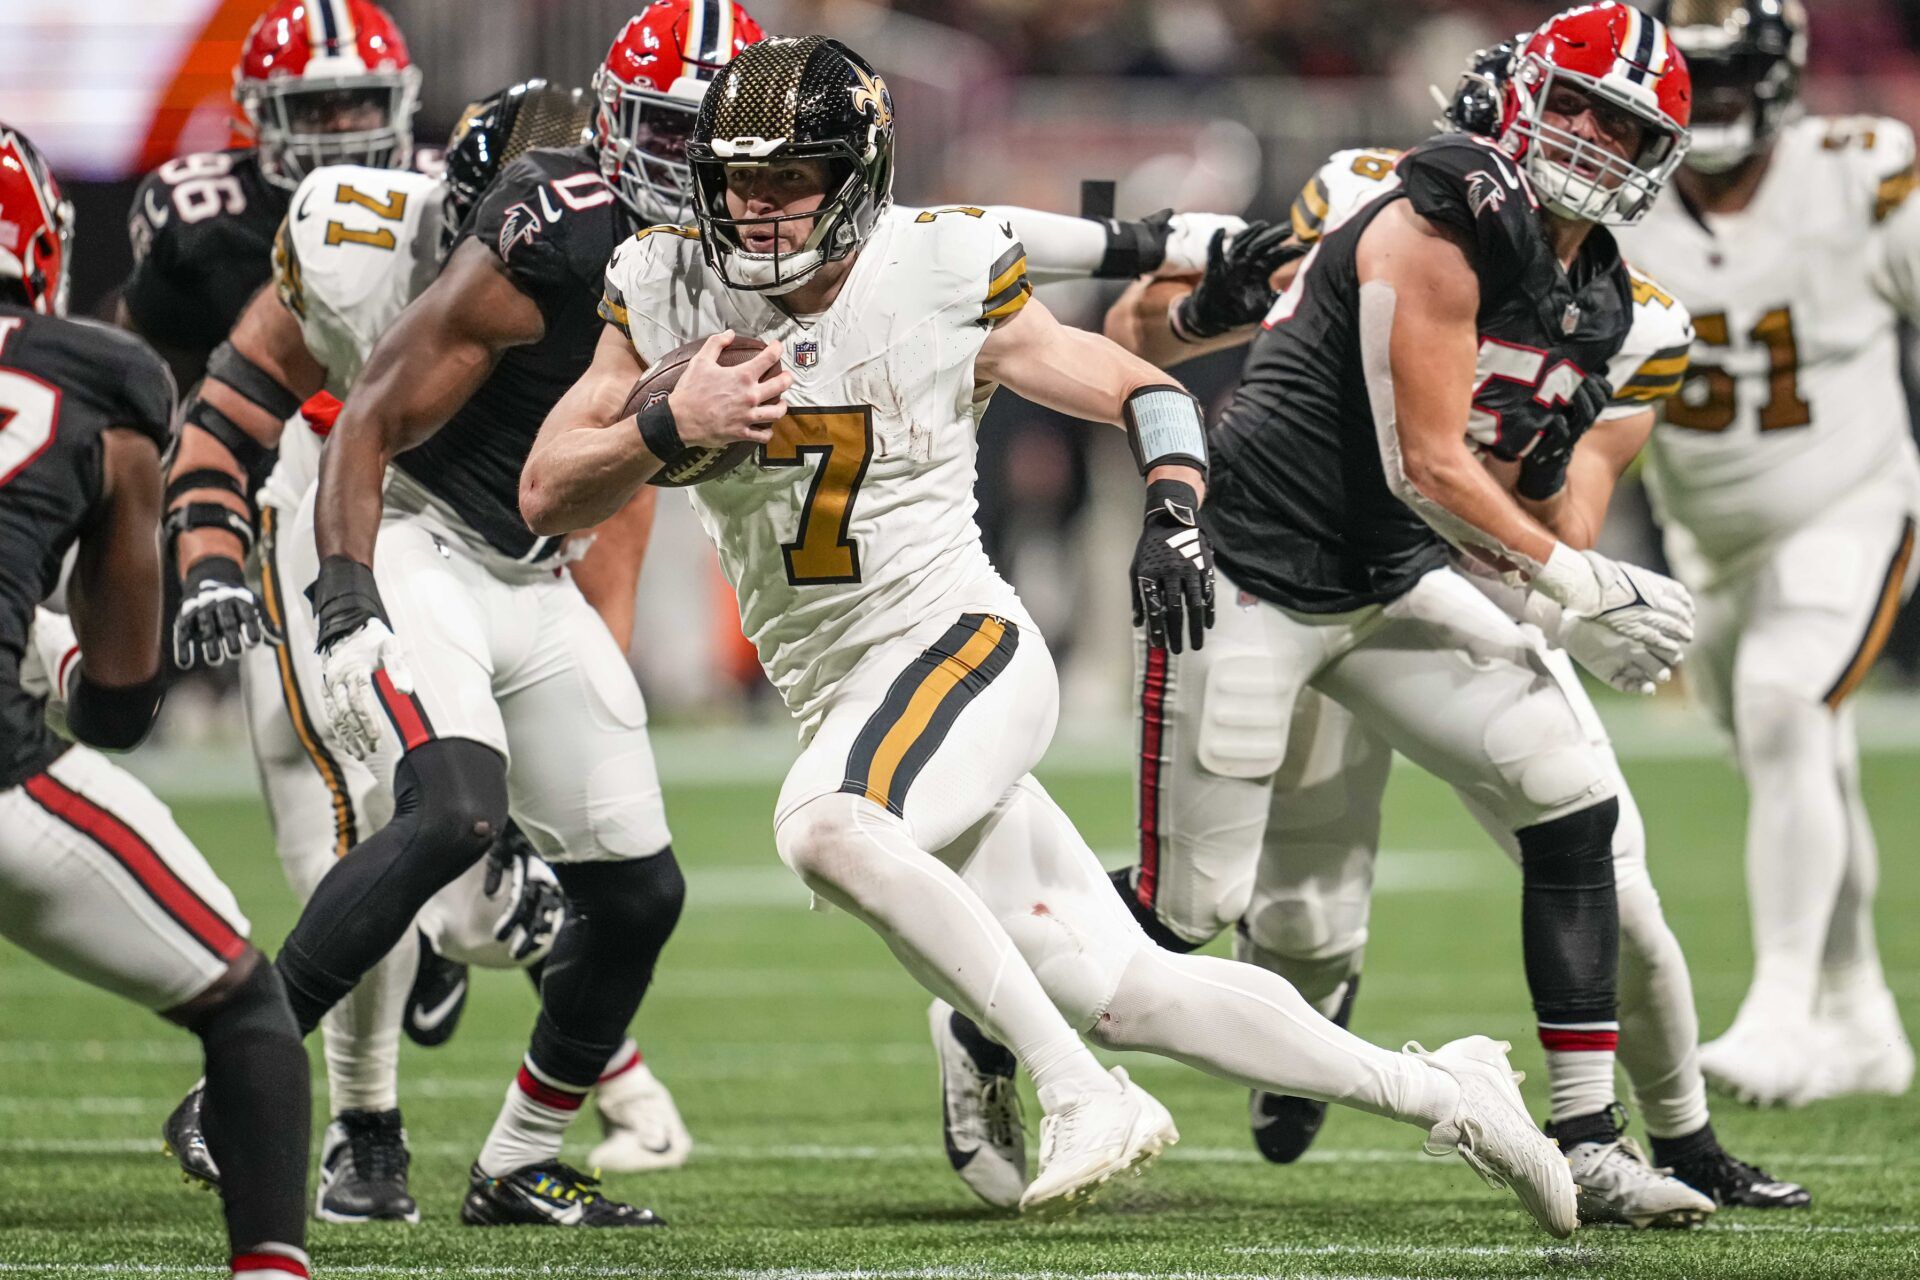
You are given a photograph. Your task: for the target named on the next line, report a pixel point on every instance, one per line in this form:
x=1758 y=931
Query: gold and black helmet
x=497 y=130
x=783 y=99
x=1746 y=57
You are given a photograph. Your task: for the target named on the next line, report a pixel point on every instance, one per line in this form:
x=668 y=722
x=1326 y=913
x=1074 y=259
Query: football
x=692 y=465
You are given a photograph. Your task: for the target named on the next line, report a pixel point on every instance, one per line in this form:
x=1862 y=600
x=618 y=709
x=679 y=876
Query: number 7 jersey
x=856 y=522
x=1793 y=400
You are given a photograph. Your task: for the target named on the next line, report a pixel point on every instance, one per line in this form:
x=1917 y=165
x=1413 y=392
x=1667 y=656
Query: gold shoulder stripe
x=615 y=314
x=1005 y=305
x=1660 y=369
x=928 y=215
x=1010 y=266
x=1893 y=193
x=685 y=233
x=286 y=272
x=1648 y=392
x=1315 y=194
x=1305 y=229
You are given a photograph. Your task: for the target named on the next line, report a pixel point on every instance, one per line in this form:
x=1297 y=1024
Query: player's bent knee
x=628 y=907
x=827 y=842
x=1546 y=765
x=1775 y=726
x=248 y=1001
x=452 y=792
x=1307 y=927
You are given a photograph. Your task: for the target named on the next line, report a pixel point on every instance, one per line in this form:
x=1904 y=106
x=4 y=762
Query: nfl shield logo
x=1571 y=320
x=806 y=355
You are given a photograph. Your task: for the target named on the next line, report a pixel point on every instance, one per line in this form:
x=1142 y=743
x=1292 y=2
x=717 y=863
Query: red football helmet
x=327 y=82
x=650 y=89
x=36 y=225
x=1623 y=62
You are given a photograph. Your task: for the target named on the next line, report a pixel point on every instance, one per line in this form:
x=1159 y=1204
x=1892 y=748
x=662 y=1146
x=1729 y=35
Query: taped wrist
x=113 y=718
x=658 y=431
x=1569 y=580
x=1165 y=427
x=224 y=570
x=209 y=515
x=345 y=598
x=1134 y=248
x=253 y=384
x=252 y=457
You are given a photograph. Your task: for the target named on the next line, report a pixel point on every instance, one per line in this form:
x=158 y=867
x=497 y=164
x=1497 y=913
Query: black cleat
x=363 y=1170
x=1729 y=1181
x=438 y=998
x=1285 y=1126
x=548 y=1194
x=186 y=1142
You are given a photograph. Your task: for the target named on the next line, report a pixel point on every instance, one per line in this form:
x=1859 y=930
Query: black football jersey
x=1298 y=507
x=202 y=229
x=553 y=221
x=62 y=383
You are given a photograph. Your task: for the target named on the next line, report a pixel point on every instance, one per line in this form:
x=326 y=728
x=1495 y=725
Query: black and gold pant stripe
x=1886 y=611
x=922 y=705
x=273 y=600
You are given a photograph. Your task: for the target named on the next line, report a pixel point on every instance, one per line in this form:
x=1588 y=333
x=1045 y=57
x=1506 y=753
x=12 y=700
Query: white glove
x=1622 y=663
x=1650 y=612
x=52 y=656
x=347 y=669
x=1189 y=235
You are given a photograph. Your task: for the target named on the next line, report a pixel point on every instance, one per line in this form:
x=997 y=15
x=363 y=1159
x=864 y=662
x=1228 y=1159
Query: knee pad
x=1298 y=924
x=451 y=796
x=1545 y=763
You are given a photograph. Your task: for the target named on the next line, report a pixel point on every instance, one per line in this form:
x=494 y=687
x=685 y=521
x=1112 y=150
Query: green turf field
x=798 y=1055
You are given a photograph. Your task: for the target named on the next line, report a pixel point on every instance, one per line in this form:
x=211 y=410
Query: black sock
x=1668 y=1152
x=450 y=797
x=256 y=1112
x=619 y=916
x=1570 y=918
x=1596 y=1126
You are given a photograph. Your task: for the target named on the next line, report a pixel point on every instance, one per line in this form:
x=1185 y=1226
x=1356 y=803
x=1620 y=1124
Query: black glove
x=1543 y=472
x=1172 y=569
x=1135 y=248
x=219 y=617
x=536 y=904
x=1235 y=290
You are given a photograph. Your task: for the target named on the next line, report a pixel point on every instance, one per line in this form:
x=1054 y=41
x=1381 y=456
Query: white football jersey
x=857 y=521
x=1794 y=397
x=357 y=246
x=1648 y=366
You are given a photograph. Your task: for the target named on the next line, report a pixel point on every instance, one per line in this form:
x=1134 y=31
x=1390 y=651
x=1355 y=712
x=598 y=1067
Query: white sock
x=1797 y=838
x=532 y=1123
x=1580 y=1081
x=1250 y=1026
x=624 y=1059
x=1850 y=963
x=270 y=1261
x=862 y=859
x=362 y=1034
x=1659 y=1029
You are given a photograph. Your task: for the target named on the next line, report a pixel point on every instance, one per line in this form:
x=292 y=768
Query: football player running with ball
x=924 y=693
x=1787 y=482
x=95 y=877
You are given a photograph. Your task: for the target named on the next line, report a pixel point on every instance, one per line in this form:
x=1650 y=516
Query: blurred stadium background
x=1199 y=104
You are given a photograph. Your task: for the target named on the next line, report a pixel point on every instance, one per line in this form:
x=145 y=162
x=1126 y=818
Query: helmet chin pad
x=1719 y=148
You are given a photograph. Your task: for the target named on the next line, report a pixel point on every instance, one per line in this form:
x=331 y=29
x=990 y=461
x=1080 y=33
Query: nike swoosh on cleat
x=429 y=1019
x=957 y=1156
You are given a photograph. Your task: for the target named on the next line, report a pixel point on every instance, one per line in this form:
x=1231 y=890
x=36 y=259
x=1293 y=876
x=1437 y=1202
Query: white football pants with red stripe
x=98 y=880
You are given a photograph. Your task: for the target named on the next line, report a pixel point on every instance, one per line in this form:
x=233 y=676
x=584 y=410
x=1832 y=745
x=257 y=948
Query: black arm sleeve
x=113 y=719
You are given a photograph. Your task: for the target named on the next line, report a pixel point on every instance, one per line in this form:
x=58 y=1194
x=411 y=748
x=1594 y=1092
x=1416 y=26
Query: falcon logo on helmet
x=36 y=225
x=327 y=82
x=782 y=100
x=649 y=90
x=1621 y=62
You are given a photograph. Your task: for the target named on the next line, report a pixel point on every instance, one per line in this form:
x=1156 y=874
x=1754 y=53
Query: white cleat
x=1763 y=1061
x=1089 y=1139
x=1493 y=1133
x=1616 y=1185
x=643 y=1127
x=1863 y=1047
x=980 y=1117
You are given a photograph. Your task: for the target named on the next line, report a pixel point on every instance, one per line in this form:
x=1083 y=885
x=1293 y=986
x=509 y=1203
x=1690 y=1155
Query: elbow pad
x=114 y=719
